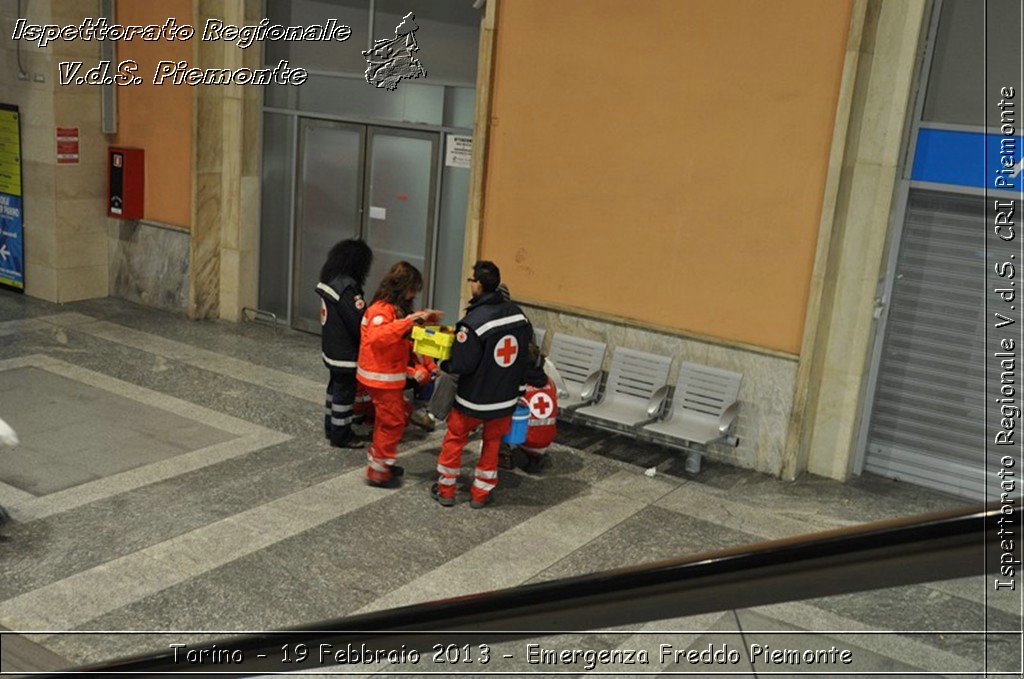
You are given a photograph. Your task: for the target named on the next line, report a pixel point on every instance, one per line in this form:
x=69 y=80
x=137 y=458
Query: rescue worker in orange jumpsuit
x=490 y=357
x=341 y=310
x=422 y=370
x=383 y=363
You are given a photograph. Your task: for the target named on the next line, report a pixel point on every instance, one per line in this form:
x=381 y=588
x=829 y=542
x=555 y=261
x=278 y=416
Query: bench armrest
x=657 y=402
x=589 y=391
x=728 y=417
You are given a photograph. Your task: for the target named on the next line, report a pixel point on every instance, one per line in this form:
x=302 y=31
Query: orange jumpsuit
x=382 y=370
x=421 y=369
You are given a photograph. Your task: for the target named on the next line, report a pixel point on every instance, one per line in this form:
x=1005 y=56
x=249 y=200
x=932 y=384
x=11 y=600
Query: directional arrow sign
x=4 y=253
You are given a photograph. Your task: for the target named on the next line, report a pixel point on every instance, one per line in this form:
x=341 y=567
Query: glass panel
x=327 y=55
x=330 y=192
x=448 y=35
x=352 y=97
x=278 y=168
x=400 y=208
x=960 y=69
x=282 y=96
x=459 y=106
x=450 y=235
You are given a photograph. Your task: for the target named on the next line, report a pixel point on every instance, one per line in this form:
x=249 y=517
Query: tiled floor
x=173 y=476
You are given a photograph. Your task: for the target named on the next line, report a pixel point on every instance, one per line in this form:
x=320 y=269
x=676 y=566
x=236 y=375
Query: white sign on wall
x=458 y=150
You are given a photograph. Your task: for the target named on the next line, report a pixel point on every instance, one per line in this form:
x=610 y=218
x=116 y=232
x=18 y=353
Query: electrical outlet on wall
x=22 y=76
x=39 y=78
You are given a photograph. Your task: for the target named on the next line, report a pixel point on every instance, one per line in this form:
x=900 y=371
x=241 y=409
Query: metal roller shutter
x=928 y=414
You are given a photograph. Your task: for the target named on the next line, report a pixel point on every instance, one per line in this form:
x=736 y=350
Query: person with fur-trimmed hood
x=490 y=358
x=341 y=313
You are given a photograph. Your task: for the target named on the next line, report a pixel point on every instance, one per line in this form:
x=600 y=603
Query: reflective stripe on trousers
x=341 y=393
x=460 y=426
x=389 y=425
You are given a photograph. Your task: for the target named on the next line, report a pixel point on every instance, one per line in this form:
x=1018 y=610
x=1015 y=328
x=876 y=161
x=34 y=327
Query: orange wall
x=158 y=118
x=664 y=160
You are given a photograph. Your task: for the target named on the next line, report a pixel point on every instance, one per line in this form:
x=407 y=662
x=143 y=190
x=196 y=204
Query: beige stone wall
x=64 y=205
x=694 y=163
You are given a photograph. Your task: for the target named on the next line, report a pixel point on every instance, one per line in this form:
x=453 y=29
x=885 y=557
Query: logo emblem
x=360 y=303
x=461 y=337
x=391 y=60
x=323 y=313
x=377 y=320
x=541 y=406
x=506 y=350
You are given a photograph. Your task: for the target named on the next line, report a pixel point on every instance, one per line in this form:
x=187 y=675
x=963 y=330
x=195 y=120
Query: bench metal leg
x=693 y=462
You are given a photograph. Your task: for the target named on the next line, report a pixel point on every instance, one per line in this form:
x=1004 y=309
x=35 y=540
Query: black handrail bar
x=890 y=553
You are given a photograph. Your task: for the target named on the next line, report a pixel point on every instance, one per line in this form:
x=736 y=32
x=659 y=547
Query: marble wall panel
x=149 y=265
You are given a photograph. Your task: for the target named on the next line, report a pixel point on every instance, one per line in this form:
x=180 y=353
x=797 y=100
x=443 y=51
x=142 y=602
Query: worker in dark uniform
x=490 y=358
x=341 y=313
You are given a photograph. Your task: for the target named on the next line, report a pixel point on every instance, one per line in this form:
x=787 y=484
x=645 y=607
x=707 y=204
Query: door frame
x=366 y=133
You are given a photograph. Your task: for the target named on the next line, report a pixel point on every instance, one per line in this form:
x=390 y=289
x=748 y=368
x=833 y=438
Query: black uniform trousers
x=338 y=413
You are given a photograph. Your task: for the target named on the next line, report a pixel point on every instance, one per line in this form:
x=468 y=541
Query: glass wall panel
x=327 y=55
x=459 y=106
x=450 y=237
x=960 y=66
x=448 y=35
x=353 y=98
x=275 y=235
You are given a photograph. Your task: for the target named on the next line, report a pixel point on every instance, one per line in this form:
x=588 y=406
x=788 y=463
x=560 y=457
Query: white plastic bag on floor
x=7 y=435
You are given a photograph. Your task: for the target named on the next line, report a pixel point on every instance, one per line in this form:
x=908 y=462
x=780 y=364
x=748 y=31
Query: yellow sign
x=10 y=153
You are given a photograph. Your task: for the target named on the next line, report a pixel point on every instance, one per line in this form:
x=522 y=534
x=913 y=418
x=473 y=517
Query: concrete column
x=64 y=205
x=208 y=167
x=834 y=363
x=239 y=257
x=481 y=125
x=226 y=187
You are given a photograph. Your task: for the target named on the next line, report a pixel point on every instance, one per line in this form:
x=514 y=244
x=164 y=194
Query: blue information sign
x=974 y=159
x=12 y=237
x=12 y=259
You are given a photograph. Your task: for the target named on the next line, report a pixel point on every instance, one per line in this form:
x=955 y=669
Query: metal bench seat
x=579 y=363
x=635 y=378
x=703 y=410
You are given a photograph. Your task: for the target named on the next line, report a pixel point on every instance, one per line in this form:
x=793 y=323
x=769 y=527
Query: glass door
x=400 y=197
x=329 y=208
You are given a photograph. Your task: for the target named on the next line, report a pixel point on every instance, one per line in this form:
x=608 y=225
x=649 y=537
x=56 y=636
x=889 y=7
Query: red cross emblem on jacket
x=506 y=350
x=541 y=405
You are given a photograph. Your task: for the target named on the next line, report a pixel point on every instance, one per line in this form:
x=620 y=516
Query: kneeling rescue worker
x=490 y=358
